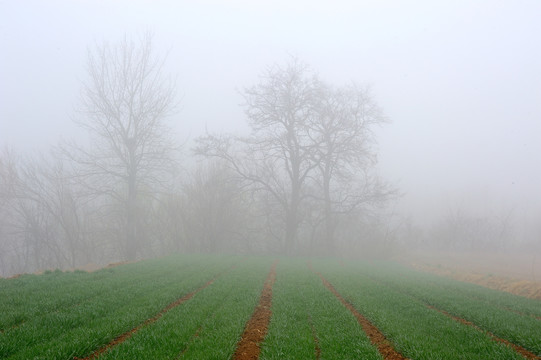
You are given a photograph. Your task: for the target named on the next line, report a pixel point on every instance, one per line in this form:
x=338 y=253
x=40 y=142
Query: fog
x=458 y=145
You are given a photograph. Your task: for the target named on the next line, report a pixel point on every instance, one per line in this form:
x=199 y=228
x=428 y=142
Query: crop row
x=29 y=296
x=207 y=326
x=488 y=309
x=62 y=332
x=194 y=307
x=417 y=331
x=308 y=321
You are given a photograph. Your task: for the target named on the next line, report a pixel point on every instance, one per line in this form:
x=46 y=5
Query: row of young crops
x=198 y=307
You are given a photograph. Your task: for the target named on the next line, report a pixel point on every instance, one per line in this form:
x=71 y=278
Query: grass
x=305 y=310
x=77 y=330
x=207 y=326
x=416 y=331
x=490 y=310
x=65 y=315
x=29 y=296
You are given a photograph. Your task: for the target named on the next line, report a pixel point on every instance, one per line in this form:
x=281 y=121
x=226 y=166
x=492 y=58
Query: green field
x=197 y=306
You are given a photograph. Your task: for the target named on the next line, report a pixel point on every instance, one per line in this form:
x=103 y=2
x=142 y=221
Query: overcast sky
x=460 y=80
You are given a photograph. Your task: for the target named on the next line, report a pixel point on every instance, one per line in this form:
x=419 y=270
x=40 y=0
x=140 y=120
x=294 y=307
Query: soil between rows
x=248 y=347
x=377 y=338
x=120 y=339
x=519 y=349
x=317 y=351
x=522 y=351
x=256 y=328
x=512 y=272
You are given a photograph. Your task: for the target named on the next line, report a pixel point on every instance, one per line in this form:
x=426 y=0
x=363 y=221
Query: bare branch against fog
x=124 y=105
x=304 y=164
x=278 y=156
x=309 y=142
x=343 y=132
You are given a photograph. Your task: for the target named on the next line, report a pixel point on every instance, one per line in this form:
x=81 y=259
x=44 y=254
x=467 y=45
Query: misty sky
x=460 y=80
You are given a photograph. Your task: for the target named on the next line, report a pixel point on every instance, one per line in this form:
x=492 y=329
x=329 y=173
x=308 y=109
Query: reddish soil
x=14 y=276
x=317 y=351
x=120 y=339
x=516 y=273
x=90 y=267
x=527 y=354
x=377 y=338
x=194 y=336
x=248 y=348
x=199 y=329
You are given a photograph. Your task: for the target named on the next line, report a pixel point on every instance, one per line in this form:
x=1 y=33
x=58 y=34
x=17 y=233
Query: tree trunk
x=132 y=241
x=330 y=226
x=291 y=231
x=292 y=219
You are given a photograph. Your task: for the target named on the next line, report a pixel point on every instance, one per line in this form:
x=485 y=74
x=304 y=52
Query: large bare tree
x=278 y=156
x=343 y=132
x=124 y=104
x=309 y=149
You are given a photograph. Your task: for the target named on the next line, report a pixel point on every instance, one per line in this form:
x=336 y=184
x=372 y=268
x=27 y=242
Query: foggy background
x=459 y=81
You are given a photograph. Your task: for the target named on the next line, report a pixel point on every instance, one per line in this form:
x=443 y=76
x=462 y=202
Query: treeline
x=301 y=182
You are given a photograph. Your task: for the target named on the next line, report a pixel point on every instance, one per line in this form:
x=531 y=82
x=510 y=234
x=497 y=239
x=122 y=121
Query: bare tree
x=214 y=213
x=41 y=222
x=124 y=104
x=8 y=180
x=278 y=156
x=310 y=154
x=343 y=132
x=460 y=229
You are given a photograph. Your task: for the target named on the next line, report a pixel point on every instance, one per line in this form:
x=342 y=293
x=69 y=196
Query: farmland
x=210 y=307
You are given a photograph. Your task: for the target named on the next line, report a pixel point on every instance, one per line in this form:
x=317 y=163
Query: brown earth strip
x=505 y=308
x=519 y=349
x=522 y=351
x=12 y=327
x=120 y=339
x=90 y=267
x=317 y=350
x=470 y=296
x=248 y=347
x=194 y=336
x=377 y=338
x=521 y=287
x=519 y=313
x=200 y=328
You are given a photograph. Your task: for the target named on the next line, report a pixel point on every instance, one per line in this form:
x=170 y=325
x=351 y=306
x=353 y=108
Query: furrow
x=195 y=335
x=317 y=351
x=522 y=351
x=120 y=339
x=201 y=327
x=377 y=338
x=256 y=328
x=519 y=349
